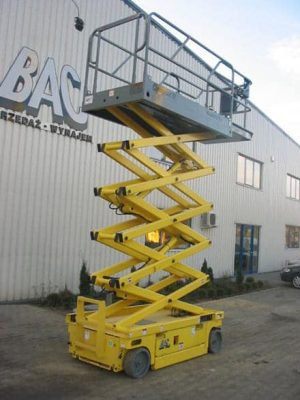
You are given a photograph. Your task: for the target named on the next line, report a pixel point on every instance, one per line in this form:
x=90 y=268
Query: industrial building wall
x=47 y=206
x=49 y=163
x=268 y=207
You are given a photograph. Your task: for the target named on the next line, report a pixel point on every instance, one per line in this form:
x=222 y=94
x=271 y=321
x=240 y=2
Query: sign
x=36 y=123
x=24 y=89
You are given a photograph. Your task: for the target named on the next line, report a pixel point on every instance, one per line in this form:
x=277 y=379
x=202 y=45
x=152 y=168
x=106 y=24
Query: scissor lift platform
x=178 y=113
x=186 y=99
x=168 y=98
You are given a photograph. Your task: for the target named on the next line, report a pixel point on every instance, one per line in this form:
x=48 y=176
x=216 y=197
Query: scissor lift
x=169 y=98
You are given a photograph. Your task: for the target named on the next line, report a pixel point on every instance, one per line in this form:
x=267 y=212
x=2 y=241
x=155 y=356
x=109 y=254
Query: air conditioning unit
x=208 y=220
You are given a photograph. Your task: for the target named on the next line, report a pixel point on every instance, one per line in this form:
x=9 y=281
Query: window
x=292 y=187
x=292 y=236
x=249 y=172
x=246 y=248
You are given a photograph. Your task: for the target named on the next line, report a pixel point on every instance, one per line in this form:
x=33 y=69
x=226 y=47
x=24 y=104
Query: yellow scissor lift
x=145 y=328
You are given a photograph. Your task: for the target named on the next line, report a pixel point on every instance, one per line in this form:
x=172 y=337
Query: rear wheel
x=215 y=341
x=296 y=282
x=137 y=362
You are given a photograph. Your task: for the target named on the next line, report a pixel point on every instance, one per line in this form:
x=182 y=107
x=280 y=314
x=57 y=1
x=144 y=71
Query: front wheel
x=215 y=341
x=137 y=362
x=296 y=282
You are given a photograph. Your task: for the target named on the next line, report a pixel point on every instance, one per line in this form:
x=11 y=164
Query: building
x=49 y=163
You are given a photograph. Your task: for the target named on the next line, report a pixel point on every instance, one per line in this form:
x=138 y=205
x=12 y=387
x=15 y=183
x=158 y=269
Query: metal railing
x=148 y=46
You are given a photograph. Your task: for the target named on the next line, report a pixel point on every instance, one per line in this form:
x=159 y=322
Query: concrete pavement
x=259 y=360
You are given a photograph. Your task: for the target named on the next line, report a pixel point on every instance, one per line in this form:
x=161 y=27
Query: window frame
x=292 y=185
x=292 y=230
x=253 y=172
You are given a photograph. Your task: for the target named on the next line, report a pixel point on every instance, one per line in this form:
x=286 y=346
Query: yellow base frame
x=171 y=330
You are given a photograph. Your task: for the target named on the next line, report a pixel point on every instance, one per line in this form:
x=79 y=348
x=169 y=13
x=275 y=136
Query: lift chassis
x=150 y=326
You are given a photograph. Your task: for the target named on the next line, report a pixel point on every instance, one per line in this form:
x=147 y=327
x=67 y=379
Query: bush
x=249 y=279
x=211 y=274
x=65 y=298
x=254 y=285
x=223 y=282
x=207 y=270
x=202 y=293
x=240 y=287
x=52 y=300
x=211 y=293
x=191 y=297
x=239 y=279
x=260 y=284
x=85 y=286
x=228 y=291
x=204 y=267
x=220 y=292
x=172 y=287
x=247 y=286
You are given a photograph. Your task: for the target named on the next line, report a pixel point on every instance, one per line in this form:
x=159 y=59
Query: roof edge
x=274 y=123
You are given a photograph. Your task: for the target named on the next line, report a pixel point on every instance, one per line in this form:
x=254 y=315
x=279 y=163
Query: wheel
x=137 y=362
x=215 y=341
x=296 y=282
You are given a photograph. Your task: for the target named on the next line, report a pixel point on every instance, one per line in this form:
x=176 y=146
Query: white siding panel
x=268 y=207
x=46 y=180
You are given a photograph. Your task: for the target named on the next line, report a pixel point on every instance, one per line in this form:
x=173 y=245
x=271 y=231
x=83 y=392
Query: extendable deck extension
x=168 y=103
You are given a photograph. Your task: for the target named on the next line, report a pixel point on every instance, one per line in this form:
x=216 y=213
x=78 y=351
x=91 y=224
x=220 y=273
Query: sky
x=261 y=38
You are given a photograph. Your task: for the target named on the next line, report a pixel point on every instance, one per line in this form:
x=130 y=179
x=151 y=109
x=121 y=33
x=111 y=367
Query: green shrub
x=211 y=274
x=260 y=284
x=239 y=278
x=65 y=298
x=223 y=282
x=204 y=267
x=249 y=279
x=52 y=300
x=254 y=285
x=228 y=291
x=240 y=288
x=172 y=287
x=202 y=293
x=85 y=286
x=207 y=270
x=211 y=293
x=247 y=286
x=220 y=292
x=191 y=297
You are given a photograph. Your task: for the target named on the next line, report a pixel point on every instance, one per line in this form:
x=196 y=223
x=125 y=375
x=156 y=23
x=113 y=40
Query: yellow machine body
x=169 y=340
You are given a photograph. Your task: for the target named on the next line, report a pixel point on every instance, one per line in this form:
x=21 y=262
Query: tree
x=85 y=282
x=207 y=270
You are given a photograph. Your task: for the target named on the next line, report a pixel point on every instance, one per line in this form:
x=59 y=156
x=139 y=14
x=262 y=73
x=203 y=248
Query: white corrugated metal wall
x=47 y=207
x=46 y=194
x=268 y=208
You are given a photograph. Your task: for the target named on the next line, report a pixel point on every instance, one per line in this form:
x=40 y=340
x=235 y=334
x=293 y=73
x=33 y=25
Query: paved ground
x=260 y=358
x=272 y=279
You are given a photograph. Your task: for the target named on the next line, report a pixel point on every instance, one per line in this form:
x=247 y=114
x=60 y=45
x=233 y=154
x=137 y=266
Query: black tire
x=215 y=341
x=136 y=363
x=296 y=282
